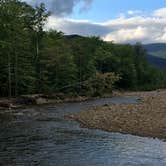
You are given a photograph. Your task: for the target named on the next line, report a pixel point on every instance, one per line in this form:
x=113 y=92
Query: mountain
x=155 y=47
x=156 y=61
x=73 y=36
x=156 y=54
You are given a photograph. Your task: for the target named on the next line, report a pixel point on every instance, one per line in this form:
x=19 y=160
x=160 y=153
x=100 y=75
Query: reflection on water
x=60 y=142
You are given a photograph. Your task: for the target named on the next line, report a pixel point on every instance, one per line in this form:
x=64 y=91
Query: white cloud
x=133 y=12
x=160 y=12
x=128 y=35
x=145 y=29
x=81 y=27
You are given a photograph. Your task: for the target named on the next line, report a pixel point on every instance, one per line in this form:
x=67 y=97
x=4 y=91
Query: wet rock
x=33 y=99
x=5 y=104
x=41 y=101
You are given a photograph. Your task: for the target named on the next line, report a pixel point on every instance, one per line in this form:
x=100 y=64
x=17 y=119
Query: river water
x=41 y=136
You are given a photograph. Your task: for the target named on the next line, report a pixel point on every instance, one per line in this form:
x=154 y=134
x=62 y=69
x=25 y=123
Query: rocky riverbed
x=146 y=118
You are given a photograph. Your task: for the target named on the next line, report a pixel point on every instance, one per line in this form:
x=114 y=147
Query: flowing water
x=41 y=136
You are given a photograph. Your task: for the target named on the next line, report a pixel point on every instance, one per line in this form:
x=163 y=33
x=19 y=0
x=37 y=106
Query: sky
x=120 y=21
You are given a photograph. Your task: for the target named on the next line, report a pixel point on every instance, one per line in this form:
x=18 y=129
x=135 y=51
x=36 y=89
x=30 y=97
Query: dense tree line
x=36 y=61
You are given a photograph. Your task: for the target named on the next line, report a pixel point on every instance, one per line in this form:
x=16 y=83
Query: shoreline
x=147 y=118
x=41 y=99
x=21 y=107
x=25 y=101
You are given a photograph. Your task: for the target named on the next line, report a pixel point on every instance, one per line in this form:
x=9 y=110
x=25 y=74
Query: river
x=41 y=136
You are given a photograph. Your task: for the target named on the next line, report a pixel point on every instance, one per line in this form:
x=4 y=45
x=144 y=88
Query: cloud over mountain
x=127 y=29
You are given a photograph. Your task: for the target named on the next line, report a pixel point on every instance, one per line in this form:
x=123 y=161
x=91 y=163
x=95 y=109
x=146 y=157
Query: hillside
x=155 y=47
x=156 y=61
x=156 y=54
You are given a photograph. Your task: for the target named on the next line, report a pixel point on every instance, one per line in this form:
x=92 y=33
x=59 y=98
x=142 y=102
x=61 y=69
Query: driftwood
x=5 y=104
x=33 y=99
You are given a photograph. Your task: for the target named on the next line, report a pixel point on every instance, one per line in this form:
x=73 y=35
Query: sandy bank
x=147 y=118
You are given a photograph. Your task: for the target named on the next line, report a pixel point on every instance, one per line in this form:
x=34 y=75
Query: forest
x=36 y=61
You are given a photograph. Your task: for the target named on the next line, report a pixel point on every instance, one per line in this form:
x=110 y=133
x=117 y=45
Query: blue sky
x=103 y=10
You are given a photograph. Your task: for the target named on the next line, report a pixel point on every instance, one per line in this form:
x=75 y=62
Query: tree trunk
x=16 y=74
x=9 y=76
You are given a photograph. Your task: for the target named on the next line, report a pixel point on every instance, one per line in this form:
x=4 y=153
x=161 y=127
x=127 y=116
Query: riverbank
x=37 y=99
x=146 y=118
x=11 y=109
x=40 y=99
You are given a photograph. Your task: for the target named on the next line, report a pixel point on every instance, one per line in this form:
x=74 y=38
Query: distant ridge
x=158 y=62
x=156 y=54
x=73 y=36
x=155 y=47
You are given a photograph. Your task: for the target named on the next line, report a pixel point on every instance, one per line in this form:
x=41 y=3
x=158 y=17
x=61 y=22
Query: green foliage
x=35 y=61
x=16 y=56
x=101 y=83
x=58 y=69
